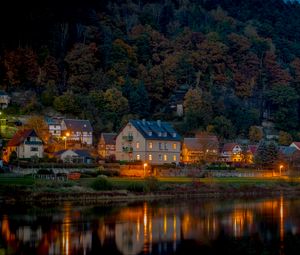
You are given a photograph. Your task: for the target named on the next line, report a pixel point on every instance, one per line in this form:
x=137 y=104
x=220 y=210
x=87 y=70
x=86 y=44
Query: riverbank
x=28 y=190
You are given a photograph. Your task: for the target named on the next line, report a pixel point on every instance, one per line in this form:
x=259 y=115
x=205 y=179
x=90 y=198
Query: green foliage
x=151 y=184
x=255 y=134
x=101 y=183
x=266 y=155
x=136 y=187
x=285 y=138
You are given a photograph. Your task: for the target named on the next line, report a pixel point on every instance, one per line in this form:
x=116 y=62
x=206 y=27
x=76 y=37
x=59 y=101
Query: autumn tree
x=39 y=125
x=255 y=134
x=285 y=138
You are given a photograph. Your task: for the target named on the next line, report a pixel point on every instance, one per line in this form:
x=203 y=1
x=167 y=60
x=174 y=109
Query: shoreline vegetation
x=110 y=190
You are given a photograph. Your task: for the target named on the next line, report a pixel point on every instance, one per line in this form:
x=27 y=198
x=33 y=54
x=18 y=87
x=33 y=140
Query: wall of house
x=151 y=151
x=55 y=130
x=28 y=151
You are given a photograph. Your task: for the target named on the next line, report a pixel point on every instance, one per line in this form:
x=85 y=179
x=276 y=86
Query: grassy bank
x=113 y=188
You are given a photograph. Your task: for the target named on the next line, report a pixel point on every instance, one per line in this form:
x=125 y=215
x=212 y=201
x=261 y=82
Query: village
x=140 y=148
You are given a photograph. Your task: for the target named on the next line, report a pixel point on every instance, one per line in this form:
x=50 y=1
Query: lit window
x=174 y=158
x=159 y=157
x=150 y=145
x=138 y=157
x=174 y=146
x=165 y=157
x=137 y=145
x=150 y=157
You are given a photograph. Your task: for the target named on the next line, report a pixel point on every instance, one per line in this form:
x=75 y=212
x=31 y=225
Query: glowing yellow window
x=137 y=145
x=174 y=158
x=150 y=145
x=174 y=146
x=165 y=157
x=138 y=157
x=150 y=157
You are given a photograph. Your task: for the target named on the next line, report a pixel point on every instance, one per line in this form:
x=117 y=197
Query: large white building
x=154 y=142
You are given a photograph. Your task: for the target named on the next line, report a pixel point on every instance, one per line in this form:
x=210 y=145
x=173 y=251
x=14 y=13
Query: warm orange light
x=145 y=164
x=67 y=134
x=281 y=166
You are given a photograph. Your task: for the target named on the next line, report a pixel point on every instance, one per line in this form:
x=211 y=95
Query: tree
x=285 y=138
x=266 y=155
x=40 y=126
x=67 y=103
x=255 y=134
x=223 y=127
x=197 y=108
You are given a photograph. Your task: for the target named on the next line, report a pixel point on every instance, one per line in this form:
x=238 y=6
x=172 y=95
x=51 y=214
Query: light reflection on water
x=265 y=226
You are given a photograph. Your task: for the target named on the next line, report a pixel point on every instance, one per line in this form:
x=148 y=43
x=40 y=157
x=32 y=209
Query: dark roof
x=297 y=144
x=252 y=148
x=80 y=153
x=198 y=143
x=20 y=136
x=3 y=93
x=78 y=125
x=109 y=138
x=53 y=121
x=287 y=150
x=229 y=146
x=156 y=130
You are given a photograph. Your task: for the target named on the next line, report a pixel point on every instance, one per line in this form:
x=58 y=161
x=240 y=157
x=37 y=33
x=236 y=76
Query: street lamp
x=65 y=138
x=280 y=168
x=145 y=165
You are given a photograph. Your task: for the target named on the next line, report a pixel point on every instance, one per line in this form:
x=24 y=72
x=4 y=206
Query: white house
x=54 y=125
x=26 y=144
x=154 y=142
x=4 y=99
x=77 y=130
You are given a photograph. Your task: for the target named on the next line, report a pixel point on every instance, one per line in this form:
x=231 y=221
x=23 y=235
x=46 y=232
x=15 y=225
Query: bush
x=101 y=183
x=45 y=171
x=151 y=183
x=136 y=187
x=109 y=173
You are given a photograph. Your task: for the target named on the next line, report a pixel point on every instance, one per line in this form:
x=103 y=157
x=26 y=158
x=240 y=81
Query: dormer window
x=149 y=133
x=159 y=133
x=165 y=134
x=174 y=134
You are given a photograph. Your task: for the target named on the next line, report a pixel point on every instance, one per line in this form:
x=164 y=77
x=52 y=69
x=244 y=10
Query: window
x=138 y=157
x=150 y=133
x=34 y=149
x=150 y=145
x=174 y=134
x=174 y=146
x=165 y=134
x=174 y=158
x=150 y=157
x=159 y=146
x=166 y=146
x=159 y=133
x=159 y=157
x=137 y=145
x=165 y=157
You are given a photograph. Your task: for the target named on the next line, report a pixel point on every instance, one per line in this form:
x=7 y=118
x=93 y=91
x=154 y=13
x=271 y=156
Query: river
x=195 y=226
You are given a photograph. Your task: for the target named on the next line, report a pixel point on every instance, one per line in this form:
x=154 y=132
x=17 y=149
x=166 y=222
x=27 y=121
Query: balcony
x=128 y=138
x=128 y=149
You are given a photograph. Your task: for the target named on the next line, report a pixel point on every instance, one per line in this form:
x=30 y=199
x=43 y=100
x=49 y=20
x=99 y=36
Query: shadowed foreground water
x=264 y=226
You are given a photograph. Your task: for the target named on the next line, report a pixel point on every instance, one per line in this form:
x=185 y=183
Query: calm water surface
x=262 y=226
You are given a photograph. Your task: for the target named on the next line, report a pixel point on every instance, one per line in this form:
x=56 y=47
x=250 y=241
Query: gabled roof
x=252 y=148
x=156 y=130
x=80 y=153
x=201 y=142
x=109 y=138
x=229 y=146
x=20 y=136
x=78 y=125
x=297 y=144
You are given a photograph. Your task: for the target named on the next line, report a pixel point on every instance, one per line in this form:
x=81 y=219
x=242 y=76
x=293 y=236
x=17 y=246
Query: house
x=4 y=99
x=203 y=147
x=107 y=145
x=74 y=156
x=77 y=130
x=231 y=152
x=54 y=125
x=295 y=145
x=154 y=142
x=26 y=144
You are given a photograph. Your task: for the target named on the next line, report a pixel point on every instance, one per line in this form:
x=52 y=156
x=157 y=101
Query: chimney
x=159 y=123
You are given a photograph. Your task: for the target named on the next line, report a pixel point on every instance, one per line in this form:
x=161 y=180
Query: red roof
x=229 y=146
x=252 y=148
x=297 y=144
x=20 y=136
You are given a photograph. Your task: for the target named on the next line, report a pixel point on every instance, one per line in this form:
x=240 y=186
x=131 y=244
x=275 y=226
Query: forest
x=232 y=64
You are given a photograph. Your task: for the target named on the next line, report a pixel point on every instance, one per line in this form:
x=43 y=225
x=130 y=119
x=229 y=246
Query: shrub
x=151 y=183
x=109 y=173
x=101 y=183
x=45 y=171
x=136 y=187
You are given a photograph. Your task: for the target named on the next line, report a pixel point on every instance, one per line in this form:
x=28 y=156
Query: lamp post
x=280 y=168
x=145 y=165
x=65 y=138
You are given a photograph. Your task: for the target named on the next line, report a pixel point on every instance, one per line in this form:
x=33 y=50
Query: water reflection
x=210 y=227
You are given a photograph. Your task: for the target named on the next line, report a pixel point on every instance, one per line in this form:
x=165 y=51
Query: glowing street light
x=145 y=165
x=280 y=168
